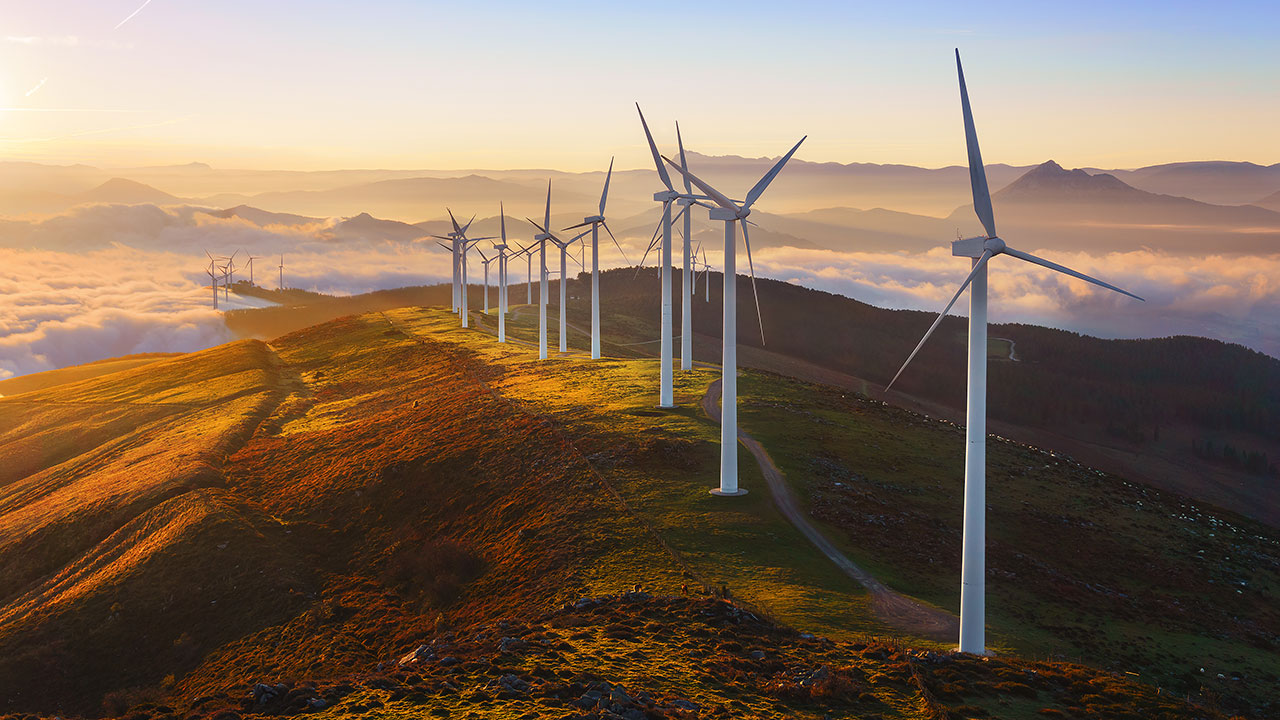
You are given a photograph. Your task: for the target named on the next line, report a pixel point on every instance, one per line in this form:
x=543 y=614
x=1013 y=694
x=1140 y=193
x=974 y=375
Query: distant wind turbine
x=541 y=239
x=502 y=275
x=282 y=272
x=564 y=278
x=980 y=249
x=213 y=279
x=666 y=393
x=486 y=260
x=596 y=221
x=731 y=213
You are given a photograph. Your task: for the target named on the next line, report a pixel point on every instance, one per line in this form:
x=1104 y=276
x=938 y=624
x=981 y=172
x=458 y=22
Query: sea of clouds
x=109 y=280
x=104 y=281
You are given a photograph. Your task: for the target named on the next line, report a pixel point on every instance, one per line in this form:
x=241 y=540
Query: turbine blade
x=575 y=227
x=982 y=261
x=758 y=190
x=746 y=240
x=1067 y=271
x=662 y=171
x=711 y=192
x=604 y=196
x=502 y=217
x=684 y=162
x=446 y=247
x=977 y=173
x=547 y=217
x=615 y=242
x=468 y=225
x=454 y=221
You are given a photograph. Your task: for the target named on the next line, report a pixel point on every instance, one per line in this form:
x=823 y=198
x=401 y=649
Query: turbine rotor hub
x=995 y=245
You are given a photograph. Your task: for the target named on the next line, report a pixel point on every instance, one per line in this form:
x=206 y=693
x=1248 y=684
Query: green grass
x=1081 y=565
x=742 y=543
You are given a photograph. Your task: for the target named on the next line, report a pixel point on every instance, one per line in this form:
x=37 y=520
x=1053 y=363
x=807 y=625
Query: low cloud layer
x=1235 y=298
x=114 y=280
x=103 y=281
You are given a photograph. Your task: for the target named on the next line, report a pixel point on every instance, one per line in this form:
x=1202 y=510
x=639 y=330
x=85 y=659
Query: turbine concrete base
x=721 y=493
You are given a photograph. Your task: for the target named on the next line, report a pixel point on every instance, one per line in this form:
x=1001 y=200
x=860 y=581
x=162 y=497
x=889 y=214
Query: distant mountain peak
x=1050 y=181
x=126 y=191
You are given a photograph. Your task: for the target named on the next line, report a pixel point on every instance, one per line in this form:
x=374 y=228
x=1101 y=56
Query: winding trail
x=892 y=608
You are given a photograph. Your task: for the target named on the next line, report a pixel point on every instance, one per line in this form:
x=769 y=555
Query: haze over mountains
x=131 y=241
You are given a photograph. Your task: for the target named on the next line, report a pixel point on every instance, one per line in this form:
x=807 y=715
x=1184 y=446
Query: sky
x=415 y=84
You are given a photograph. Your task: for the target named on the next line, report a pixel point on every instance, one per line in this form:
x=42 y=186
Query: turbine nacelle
x=665 y=196
x=974 y=247
x=593 y=219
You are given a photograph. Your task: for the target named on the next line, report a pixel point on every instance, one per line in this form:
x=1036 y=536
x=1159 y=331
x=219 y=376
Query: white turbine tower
x=980 y=250
x=213 y=279
x=281 y=272
x=461 y=244
x=251 y=259
x=731 y=212
x=502 y=276
x=486 y=260
x=666 y=392
x=541 y=239
x=686 y=282
x=564 y=281
x=595 y=221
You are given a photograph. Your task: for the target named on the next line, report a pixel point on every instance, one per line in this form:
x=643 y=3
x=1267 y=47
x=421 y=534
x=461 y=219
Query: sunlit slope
x=84 y=458
x=401 y=482
x=429 y=499
x=49 y=378
x=103 y=503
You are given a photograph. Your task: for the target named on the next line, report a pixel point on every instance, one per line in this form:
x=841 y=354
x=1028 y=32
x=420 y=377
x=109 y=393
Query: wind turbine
x=686 y=282
x=213 y=280
x=251 y=259
x=282 y=271
x=731 y=212
x=453 y=238
x=564 y=276
x=541 y=240
x=980 y=250
x=595 y=221
x=502 y=275
x=666 y=397
x=462 y=244
x=486 y=260
x=703 y=268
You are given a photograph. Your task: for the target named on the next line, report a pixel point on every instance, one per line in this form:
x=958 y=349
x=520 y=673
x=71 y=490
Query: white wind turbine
x=595 y=221
x=486 y=260
x=251 y=259
x=502 y=275
x=731 y=212
x=541 y=239
x=462 y=244
x=702 y=268
x=666 y=398
x=281 y=272
x=213 y=279
x=980 y=249
x=454 y=238
x=564 y=281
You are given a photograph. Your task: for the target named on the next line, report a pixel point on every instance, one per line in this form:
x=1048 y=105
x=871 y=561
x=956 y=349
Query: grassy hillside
x=49 y=378
x=387 y=482
x=1193 y=415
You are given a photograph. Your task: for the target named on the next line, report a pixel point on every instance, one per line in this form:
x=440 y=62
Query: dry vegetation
x=266 y=530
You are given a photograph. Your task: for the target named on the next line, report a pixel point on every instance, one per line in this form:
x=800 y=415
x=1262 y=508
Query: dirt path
x=893 y=609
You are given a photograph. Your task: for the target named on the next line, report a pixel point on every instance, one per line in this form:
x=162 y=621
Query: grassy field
x=297 y=516
x=1081 y=564
x=49 y=378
